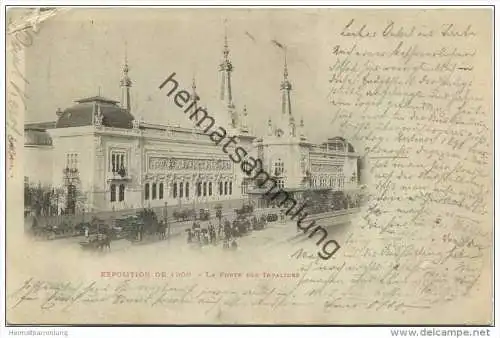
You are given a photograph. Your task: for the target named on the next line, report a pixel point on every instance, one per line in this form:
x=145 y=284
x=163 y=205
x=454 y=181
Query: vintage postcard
x=249 y=166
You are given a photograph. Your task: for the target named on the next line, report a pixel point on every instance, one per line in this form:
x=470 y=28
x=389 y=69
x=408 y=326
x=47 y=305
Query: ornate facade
x=116 y=161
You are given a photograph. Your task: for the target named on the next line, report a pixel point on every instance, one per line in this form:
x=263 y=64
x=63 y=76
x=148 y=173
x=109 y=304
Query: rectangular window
x=198 y=189
x=225 y=188
x=181 y=190
x=160 y=192
x=230 y=188
x=187 y=189
x=146 y=191
x=153 y=191
x=113 y=193
x=204 y=188
x=220 y=188
x=210 y=189
x=121 y=196
x=174 y=189
x=72 y=161
x=118 y=161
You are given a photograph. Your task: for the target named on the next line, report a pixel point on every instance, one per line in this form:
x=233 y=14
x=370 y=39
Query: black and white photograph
x=249 y=166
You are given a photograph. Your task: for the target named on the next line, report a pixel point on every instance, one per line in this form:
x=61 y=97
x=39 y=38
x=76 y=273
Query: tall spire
x=194 y=94
x=226 y=68
x=125 y=83
x=286 y=87
x=195 y=97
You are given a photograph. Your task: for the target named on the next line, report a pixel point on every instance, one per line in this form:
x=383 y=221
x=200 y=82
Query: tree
x=45 y=200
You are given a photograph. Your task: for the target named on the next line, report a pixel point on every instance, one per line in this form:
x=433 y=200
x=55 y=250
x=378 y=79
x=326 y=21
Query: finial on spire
x=226 y=45
x=126 y=55
x=193 y=87
x=285 y=71
x=126 y=83
x=226 y=68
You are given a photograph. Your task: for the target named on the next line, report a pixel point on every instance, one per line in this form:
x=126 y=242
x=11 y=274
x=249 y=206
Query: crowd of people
x=226 y=232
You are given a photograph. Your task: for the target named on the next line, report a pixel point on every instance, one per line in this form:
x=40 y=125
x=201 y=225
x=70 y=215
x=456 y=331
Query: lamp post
x=166 y=219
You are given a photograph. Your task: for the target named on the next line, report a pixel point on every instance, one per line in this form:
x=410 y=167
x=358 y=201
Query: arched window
x=204 y=188
x=279 y=168
x=146 y=191
x=230 y=188
x=187 y=189
x=209 y=188
x=220 y=188
x=113 y=193
x=121 y=196
x=160 y=192
x=198 y=189
x=174 y=189
x=181 y=190
x=225 y=188
x=153 y=192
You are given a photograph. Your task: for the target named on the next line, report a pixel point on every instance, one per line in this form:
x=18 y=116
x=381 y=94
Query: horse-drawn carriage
x=143 y=225
x=96 y=242
x=272 y=217
x=259 y=223
x=98 y=234
x=184 y=215
x=53 y=230
x=246 y=209
x=204 y=215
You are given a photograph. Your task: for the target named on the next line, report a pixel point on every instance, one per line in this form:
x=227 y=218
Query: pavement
x=274 y=235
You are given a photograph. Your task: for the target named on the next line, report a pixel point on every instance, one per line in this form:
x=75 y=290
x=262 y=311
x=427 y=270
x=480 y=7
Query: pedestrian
x=190 y=235
x=219 y=231
x=234 y=245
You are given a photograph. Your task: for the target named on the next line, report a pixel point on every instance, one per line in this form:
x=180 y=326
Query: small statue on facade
x=98 y=117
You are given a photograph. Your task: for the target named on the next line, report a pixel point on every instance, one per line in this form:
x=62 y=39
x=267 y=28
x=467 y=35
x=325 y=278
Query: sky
x=81 y=52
